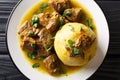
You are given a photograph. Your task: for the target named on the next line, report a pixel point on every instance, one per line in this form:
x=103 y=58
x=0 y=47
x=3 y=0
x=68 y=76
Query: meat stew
x=39 y=26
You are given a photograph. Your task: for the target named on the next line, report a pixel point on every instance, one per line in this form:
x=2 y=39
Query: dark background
x=110 y=68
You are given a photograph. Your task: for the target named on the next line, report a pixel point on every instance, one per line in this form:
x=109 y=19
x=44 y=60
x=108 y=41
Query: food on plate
x=57 y=36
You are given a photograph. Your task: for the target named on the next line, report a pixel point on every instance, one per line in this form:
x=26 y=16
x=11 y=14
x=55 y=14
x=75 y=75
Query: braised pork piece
x=38 y=34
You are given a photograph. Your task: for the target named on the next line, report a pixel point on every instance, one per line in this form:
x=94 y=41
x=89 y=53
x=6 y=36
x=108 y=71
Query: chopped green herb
x=89 y=23
x=36 y=65
x=62 y=71
x=71 y=43
x=36 y=25
x=76 y=51
x=48 y=47
x=67 y=13
x=43 y=6
x=41 y=57
x=32 y=55
x=62 y=21
x=91 y=27
x=30 y=33
x=35 y=19
x=29 y=55
x=82 y=16
x=33 y=45
x=89 y=20
x=32 y=23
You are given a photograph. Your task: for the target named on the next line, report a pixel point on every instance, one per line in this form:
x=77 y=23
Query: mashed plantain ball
x=72 y=42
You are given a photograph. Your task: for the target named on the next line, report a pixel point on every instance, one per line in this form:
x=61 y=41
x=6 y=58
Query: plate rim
x=6 y=38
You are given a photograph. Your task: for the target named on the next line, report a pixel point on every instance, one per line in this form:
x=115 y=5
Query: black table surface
x=110 y=68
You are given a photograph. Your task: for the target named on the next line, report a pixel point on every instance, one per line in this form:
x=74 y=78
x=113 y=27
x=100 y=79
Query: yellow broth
x=35 y=10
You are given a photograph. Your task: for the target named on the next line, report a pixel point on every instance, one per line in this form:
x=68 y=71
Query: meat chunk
x=84 y=42
x=27 y=30
x=28 y=44
x=44 y=18
x=52 y=64
x=45 y=37
x=35 y=31
x=25 y=25
x=24 y=29
x=42 y=51
x=53 y=23
x=73 y=14
x=44 y=43
x=49 y=22
x=60 y=5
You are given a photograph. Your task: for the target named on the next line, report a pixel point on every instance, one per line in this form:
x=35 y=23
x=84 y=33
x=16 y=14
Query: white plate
x=27 y=70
